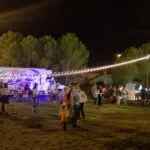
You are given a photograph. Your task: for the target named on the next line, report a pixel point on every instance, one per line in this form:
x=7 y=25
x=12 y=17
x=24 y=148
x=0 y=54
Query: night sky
x=104 y=27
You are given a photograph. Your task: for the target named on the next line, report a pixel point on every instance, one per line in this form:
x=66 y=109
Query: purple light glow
x=16 y=77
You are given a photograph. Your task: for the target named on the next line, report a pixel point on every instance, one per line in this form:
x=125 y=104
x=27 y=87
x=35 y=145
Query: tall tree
x=133 y=71
x=29 y=45
x=10 y=49
x=72 y=53
x=68 y=53
x=47 y=51
x=125 y=74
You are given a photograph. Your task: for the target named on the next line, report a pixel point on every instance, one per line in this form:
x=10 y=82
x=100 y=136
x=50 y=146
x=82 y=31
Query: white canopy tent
x=20 y=76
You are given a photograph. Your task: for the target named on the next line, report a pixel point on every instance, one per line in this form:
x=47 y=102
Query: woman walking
x=64 y=116
x=75 y=97
x=64 y=96
x=83 y=99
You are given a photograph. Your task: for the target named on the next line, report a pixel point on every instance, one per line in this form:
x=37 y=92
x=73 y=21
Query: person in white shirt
x=75 y=98
x=124 y=95
x=54 y=94
x=35 y=98
x=49 y=92
x=98 y=98
x=83 y=99
x=119 y=96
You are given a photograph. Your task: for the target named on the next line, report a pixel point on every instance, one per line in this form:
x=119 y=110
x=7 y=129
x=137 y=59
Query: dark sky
x=104 y=27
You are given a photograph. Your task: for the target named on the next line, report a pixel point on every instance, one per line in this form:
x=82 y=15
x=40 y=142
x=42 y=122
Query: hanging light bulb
x=75 y=72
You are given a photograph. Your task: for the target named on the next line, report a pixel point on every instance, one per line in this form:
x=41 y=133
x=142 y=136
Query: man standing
x=75 y=95
x=54 y=95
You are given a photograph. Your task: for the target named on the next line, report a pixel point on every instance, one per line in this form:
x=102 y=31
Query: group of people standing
x=33 y=94
x=5 y=96
x=72 y=102
x=110 y=95
x=72 y=105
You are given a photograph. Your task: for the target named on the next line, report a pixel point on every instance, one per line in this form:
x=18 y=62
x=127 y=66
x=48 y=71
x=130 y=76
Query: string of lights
x=87 y=70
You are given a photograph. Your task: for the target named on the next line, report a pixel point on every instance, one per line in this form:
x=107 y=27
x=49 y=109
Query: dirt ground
x=110 y=128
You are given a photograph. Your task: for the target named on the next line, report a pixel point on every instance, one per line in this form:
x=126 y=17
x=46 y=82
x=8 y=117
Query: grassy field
x=111 y=128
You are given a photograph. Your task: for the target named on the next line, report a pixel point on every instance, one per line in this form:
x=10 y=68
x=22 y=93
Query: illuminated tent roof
x=7 y=73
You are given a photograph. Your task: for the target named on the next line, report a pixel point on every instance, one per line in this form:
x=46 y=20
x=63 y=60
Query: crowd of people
x=120 y=95
x=72 y=105
x=109 y=94
x=72 y=99
x=28 y=95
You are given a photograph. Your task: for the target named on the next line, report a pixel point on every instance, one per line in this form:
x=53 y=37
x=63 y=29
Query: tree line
x=66 y=53
x=137 y=72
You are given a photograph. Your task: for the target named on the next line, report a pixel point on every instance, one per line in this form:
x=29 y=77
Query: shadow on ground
x=29 y=122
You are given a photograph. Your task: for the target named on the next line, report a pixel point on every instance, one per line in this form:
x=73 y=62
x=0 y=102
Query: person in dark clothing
x=69 y=98
x=4 y=96
x=75 y=95
x=35 y=98
x=143 y=95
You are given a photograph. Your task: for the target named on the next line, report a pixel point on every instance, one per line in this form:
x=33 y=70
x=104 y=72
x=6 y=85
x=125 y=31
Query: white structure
x=18 y=77
x=130 y=87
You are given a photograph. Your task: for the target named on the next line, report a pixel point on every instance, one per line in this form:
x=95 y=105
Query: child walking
x=64 y=116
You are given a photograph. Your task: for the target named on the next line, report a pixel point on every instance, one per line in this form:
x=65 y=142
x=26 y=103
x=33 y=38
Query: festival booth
x=18 y=77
